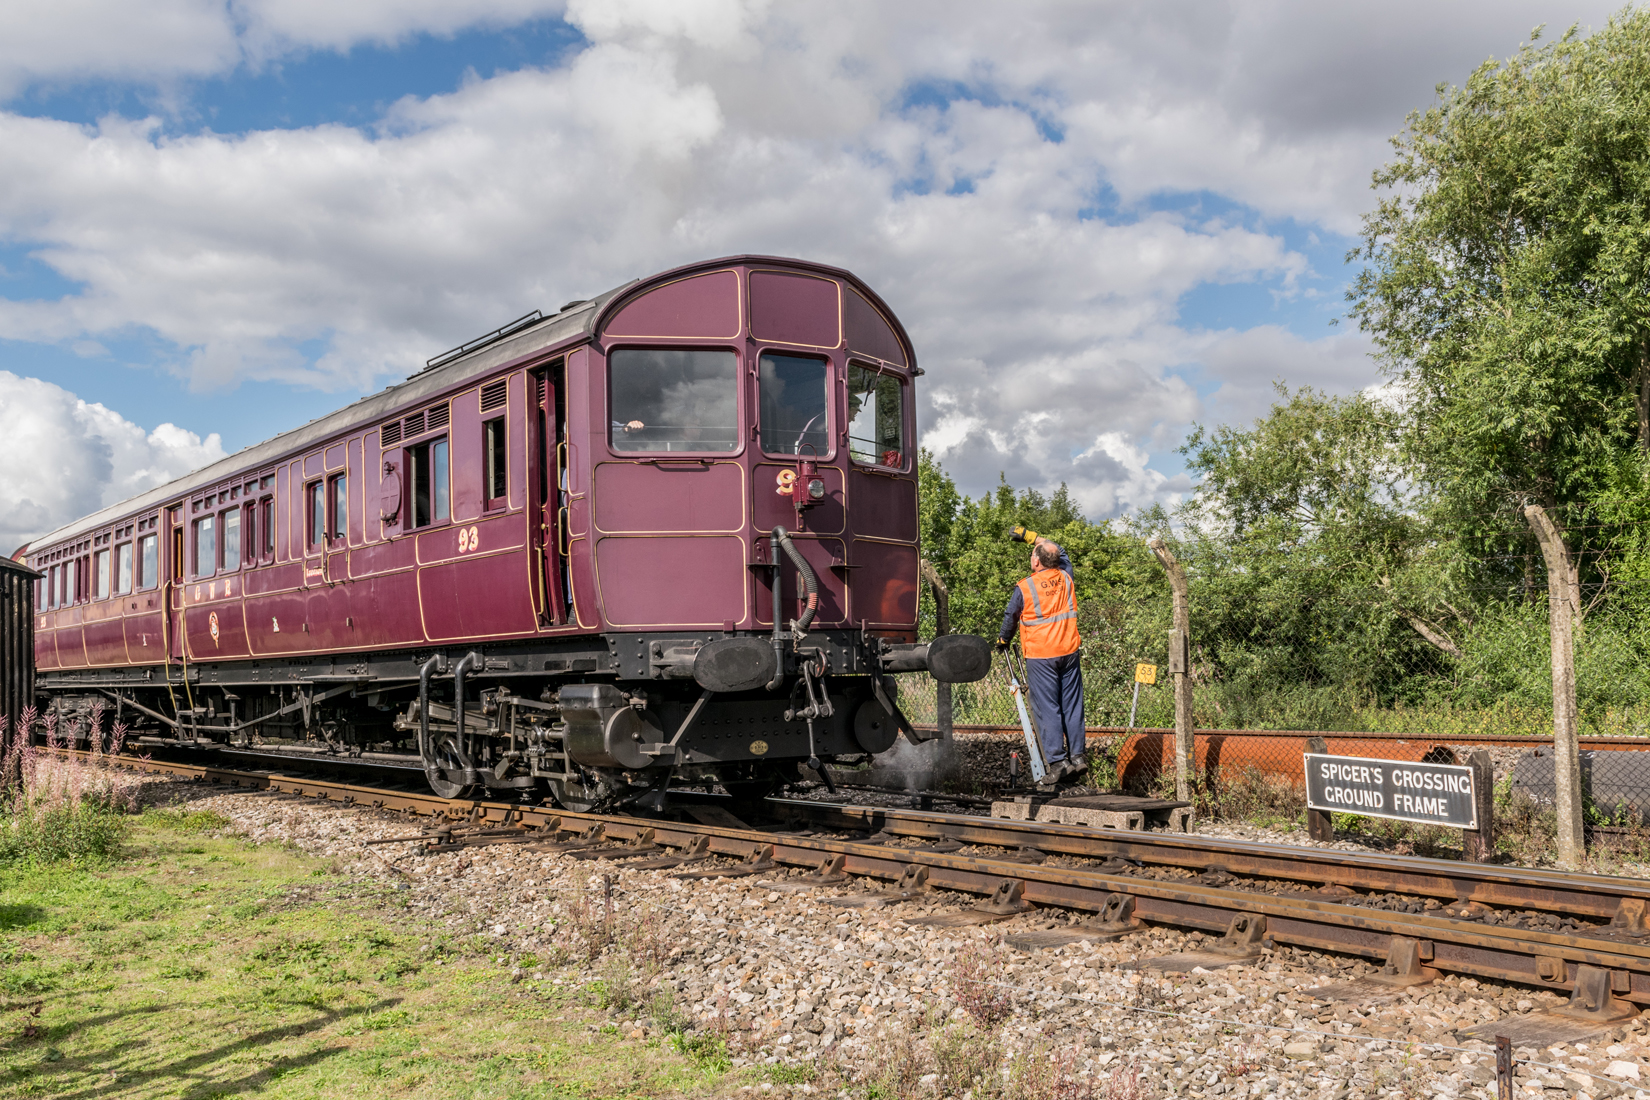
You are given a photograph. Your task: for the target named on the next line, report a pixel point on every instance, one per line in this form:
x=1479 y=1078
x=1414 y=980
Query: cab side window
x=876 y=417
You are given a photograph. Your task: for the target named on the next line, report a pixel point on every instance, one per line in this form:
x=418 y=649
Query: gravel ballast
x=787 y=979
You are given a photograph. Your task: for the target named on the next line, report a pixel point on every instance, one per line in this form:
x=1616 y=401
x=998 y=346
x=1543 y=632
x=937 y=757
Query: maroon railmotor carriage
x=553 y=557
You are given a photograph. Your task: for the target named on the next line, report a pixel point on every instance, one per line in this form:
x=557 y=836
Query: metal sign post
x=1143 y=674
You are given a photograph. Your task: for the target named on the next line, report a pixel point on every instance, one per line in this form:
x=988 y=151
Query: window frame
x=495 y=463
x=223 y=541
x=337 y=510
x=833 y=381
x=153 y=537
x=266 y=527
x=419 y=461
x=904 y=382
x=128 y=551
x=315 y=516
x=743 y=418
x=209 y=521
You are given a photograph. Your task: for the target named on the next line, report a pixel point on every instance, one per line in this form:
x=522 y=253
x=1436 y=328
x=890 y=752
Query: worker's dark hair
x=1047 y=553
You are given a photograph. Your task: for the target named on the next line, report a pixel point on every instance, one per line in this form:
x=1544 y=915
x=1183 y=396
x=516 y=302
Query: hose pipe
x=810 y=581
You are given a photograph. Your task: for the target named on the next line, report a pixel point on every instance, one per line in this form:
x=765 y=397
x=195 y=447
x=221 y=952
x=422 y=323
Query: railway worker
x=1043 y=608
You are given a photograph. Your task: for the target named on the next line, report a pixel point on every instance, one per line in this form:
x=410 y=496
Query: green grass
x=201 y=966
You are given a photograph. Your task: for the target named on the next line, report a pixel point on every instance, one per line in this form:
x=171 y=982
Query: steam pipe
x=471 y=660
x=778 y=638
x=428 y=668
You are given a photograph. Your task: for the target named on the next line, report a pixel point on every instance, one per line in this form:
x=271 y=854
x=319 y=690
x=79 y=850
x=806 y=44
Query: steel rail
x=1541 y=958
x=1570 y=894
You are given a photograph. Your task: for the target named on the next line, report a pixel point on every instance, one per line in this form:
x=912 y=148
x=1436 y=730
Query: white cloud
x=1012 y=228
x=160 y=43
x=65 y=457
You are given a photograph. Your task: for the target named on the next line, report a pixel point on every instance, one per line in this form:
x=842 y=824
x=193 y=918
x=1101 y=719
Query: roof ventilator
x=482 y=341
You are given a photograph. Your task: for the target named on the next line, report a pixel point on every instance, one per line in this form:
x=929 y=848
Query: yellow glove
x=1021 y=534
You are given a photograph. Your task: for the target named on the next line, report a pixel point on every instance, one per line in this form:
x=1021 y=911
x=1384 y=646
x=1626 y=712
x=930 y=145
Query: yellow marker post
x=1143 y=674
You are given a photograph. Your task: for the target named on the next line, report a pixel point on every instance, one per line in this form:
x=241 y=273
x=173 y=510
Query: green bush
x=62 y=833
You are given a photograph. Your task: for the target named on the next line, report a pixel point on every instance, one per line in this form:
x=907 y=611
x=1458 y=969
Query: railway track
x=1583 y=934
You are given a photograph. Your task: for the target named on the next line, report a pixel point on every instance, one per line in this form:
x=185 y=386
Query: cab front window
x=665 y=399
x=793 y=392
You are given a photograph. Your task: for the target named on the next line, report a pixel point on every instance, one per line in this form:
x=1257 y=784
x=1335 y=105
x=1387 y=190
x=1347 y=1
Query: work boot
x=1052 y=776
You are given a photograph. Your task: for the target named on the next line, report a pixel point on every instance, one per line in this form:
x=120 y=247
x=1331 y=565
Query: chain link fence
x=1389 y=692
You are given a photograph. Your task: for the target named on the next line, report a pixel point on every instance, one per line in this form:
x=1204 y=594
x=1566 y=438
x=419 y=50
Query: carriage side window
x=340 y=507
x=148 y=561
x=793 y=405
x=266 y=524
x=231 y=538
x=123 y=568
x=101 y=574
x=876 y=417
x=497 y=472
x=316 y=496
x=51 y=587
x=427 y=483
x=668 y=400
x=206 y=546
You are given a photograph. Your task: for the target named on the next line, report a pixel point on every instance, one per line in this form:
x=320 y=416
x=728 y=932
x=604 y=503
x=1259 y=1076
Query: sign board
x=1145 y=674
x=1428 y=794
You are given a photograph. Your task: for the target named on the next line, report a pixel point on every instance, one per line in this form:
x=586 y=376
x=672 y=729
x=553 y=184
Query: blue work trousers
x=1055 y=685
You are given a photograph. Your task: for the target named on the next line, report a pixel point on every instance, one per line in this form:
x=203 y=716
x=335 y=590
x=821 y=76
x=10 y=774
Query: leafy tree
x=1303 y=550
x=1508 y=293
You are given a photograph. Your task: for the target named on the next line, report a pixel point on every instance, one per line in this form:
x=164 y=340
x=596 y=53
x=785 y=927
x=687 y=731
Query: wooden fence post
x=1478 y=845
x=1319 y=825
x=1562 y=615
x=1180 y=667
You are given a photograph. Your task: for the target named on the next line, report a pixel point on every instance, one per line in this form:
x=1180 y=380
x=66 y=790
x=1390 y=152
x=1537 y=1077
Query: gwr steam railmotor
x=666 y=535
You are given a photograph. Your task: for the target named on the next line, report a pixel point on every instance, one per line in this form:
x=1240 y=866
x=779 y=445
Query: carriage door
x=549 y=454
x=172 y=597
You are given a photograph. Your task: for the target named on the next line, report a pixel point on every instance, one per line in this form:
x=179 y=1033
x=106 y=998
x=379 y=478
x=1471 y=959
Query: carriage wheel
x=575 y=795
x=444 y=768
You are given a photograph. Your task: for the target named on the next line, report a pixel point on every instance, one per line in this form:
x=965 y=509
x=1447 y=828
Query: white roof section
x=576 y=321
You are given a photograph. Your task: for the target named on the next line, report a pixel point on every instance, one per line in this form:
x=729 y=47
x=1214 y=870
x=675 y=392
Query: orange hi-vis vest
x=1048 y=622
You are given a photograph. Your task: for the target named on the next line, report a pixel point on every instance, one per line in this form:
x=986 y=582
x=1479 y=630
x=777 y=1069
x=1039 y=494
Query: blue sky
x=1100 y=228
